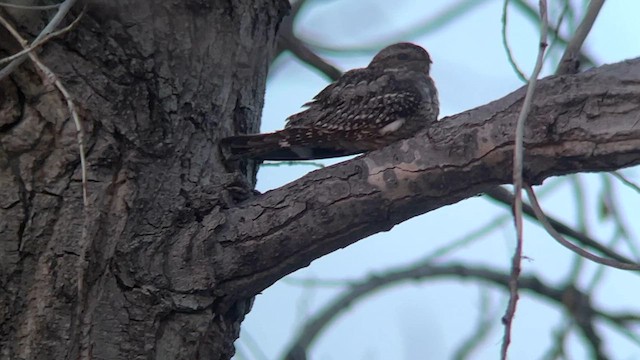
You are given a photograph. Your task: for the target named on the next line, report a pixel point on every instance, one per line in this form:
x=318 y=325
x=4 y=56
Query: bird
x=365 y=109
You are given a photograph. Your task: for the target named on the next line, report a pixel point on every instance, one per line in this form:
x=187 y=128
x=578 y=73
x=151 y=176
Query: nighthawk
x=365 y=109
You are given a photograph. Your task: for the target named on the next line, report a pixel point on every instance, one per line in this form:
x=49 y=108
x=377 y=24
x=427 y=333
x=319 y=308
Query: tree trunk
x=157 y=84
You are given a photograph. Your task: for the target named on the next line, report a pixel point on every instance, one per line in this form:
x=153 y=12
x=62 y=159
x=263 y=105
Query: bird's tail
x=294 y=143
x=256 y=146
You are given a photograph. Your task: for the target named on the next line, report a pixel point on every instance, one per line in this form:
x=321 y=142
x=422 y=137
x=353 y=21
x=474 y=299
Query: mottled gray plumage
x=365 y=109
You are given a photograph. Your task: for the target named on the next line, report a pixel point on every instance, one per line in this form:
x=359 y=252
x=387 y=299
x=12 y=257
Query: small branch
x=531 y=13
x=570 y=62
x=29 y=7
x=616 y=214
x=287 y=40
x=306 y=55
x=63 y=9
x=505 y=43
x=624 y=180
x=316 y=164
x=85 y=241
x=503 y=196
x=420 y=271
x=41 y=42
x=564 y=242
x=517 y=181
x=555 y=30
x=50 y=77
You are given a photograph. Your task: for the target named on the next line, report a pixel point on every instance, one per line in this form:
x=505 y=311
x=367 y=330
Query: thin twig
x=569 y=63
x=531 y=13
x=50 y=77
x=303 y=53
x=629 y=183
x=617 y=216
x=287 y=40
x=84 y=243
x=517 y=182
x=63 y=9
x=503 y=196
x=41 y=42
x=555 y=30
x=419 y=271
x=505 y=43
x=30 y=7
x=293 y=163
x=564 y=242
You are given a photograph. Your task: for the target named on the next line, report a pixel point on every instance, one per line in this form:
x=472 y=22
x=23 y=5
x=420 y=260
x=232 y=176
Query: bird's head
x=402 y=56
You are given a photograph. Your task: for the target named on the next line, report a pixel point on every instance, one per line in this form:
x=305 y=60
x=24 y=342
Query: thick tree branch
x=288 y=39
x=585 y=122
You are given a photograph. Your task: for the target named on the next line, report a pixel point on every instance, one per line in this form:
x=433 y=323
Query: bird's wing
x=360 y=99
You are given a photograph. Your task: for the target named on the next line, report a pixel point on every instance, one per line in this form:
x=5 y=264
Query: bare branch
x=29 y=7
x=460 y=157
x=564 y=242
x=531 y=13
x=570 y=61
x=37 y=44
x=615 y=213
x=518 y=155
x=85 y=241
x=50 y=77
x=568 y=296
x=306 y=55
x=505 y=43
x=287 y=40
x=505 y=197
x=63 y=9
x=318 y=165
x=624 y=180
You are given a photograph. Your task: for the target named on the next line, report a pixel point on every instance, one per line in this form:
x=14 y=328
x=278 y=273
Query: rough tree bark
x=173 y=256
x=158 y=83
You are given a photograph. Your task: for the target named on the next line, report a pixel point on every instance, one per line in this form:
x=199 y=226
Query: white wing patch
x=302 y=151
x=394 y=126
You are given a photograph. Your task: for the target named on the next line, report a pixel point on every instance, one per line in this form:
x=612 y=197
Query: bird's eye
x=403 y=56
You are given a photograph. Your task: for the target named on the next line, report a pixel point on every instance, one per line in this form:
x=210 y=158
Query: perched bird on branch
x=365 y=109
